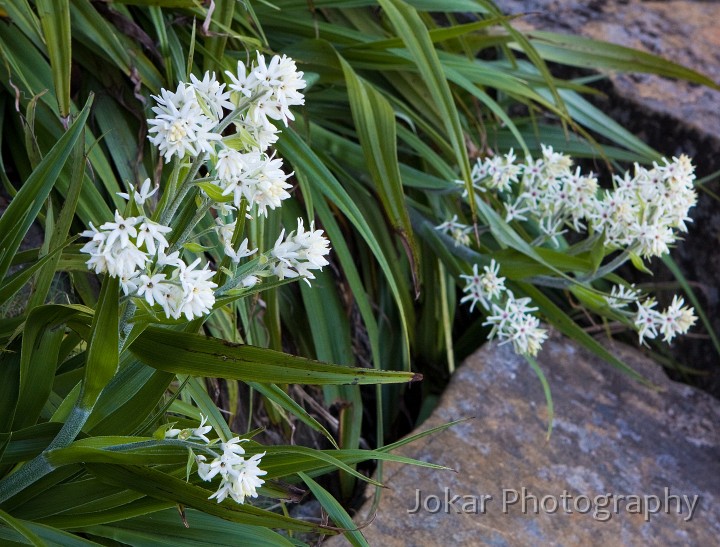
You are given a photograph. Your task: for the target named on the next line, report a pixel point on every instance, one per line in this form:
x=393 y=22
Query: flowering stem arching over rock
x=641 y=216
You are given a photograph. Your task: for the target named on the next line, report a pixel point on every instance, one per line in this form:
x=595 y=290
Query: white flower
x=300 y=252
x=270 y=186
x=153 y=288
x=180 y=127
x=248 y=479
x=151 y=234
x=516 y=210
x=128 y=283
x=230 y=165
x=112 y=250
x=198 y=296
x=555 y=162
x=483 y=287
x=242 y=251
x=621 y=296
x=264 y=134
x=212 y=95
x=284 y=249
x=647 y=319
x=192 y=433
x=313 y=245
x=141 y=195
x=172 y=301
x=240 y=476
x=124 y=261
x=513 y=323
x=676 y=319
x=281 y=82
x=198 y=432
x=498 y=173
x=173 y=259
x=284 y=81
x=241 y=174
x=458 y=231
x=122 y=229
x=242 y=82
x=224 y=209
x=526 y=335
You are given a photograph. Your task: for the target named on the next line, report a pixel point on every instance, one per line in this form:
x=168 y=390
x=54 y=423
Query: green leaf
x=588 y=53
x=214 y=192
x=568 y=327
x=546 y=390
x=21 y=528
x=303 y=158
x=673 y=267
x=165 y=487
x=336 y=511
x=283 y=400
x=43 y=333
x=55 y=19
x=375 y=123
x=161 y=3
x=25 y=206
x=103 y=347
x=167 y=528
x=29 y=442
x=184 y=353
x=18 y=281
x=415 y=36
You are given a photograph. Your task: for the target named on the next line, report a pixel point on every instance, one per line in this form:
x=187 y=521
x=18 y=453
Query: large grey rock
x=682 y=31
x=612 y=436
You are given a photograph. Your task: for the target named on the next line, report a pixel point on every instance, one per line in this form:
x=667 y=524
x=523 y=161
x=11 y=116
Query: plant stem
x=39 y=466
x=187 y=183
x=610 y=267
x=201 y=212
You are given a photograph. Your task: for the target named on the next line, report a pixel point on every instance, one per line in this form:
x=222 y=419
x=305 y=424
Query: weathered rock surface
x=612 y=436
x=682 y=31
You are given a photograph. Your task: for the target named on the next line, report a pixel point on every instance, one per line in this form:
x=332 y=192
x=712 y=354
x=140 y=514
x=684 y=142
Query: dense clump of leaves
x=397 y=108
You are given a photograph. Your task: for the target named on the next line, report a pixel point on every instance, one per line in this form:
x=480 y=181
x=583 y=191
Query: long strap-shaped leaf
x=165 y=487
x=197 y=355
x=416 y=37
x=375 y=123
x=25 y=206
x=55 y=19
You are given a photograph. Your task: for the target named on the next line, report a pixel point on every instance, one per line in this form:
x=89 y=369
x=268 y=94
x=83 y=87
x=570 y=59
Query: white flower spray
x=188 y=128
x=644 y=213
x=240 y=476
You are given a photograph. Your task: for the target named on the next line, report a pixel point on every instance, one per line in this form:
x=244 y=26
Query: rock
x=612 y=436
x=681 y=31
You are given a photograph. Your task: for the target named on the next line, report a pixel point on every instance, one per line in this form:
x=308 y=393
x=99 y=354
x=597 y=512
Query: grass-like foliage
x=281 y=194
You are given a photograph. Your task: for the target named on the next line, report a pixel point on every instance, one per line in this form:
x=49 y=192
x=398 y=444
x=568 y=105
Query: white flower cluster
x=240 y=476
x=676 y=319
x=458 y=231
x=299 y=253
x=186 y=122
x=189 y=125
x=279 y=83
x=511 y=318
x=252 y=175
x=181 y=125
x=643 y=212
x=133 y=249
